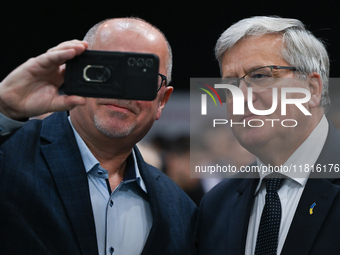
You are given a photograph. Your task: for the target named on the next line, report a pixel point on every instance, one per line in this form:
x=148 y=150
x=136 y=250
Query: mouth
x=119 y=105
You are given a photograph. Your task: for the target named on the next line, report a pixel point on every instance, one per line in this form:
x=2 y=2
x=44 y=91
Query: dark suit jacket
x=225 y=211
x=45 y=205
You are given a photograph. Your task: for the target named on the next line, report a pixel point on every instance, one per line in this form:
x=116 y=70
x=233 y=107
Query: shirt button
x=111 y=250
x=111 y=203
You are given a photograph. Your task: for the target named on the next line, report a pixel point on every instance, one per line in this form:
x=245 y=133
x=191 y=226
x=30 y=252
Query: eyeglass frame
x=271 y=67
x=164 y=79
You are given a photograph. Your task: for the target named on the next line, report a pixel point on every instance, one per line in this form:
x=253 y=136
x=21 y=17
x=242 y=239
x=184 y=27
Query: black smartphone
x=112 y=74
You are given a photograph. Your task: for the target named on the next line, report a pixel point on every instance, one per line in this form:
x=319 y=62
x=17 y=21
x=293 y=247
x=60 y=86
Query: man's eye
x=258 y=76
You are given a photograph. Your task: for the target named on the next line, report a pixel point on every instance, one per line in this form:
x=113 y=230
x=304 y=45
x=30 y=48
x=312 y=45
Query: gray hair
x=300 y=48
x=91 y=35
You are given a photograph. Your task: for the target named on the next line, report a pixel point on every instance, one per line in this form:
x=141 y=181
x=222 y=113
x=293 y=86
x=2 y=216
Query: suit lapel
x=62 y=155
x=158 y=231
x=305 y=226
x=163 y=236
x=240 y=215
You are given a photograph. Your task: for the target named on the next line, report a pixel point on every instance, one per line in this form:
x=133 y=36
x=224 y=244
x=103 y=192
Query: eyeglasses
x=161 y=79
x=259 y=78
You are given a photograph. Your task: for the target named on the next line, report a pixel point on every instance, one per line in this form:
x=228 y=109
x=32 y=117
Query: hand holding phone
x=32 y=88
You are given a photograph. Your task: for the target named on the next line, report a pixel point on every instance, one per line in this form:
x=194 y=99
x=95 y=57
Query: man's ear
x=315 y=88
x=165 y=98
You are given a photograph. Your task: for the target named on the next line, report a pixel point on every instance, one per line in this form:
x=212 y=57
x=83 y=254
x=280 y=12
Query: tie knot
x=273 y=182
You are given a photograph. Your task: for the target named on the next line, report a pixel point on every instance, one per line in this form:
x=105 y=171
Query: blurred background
x=29 y=28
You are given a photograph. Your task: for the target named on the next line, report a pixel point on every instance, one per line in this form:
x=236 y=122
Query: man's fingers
x=65 y=103
x=55 y=58
x=64 y=51
x=78 y=46
x=31 y=89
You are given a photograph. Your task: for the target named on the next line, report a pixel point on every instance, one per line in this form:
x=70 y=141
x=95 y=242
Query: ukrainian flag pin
x=311 y=208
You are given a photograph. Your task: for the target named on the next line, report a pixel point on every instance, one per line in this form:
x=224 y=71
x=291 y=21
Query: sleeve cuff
x=8 y=125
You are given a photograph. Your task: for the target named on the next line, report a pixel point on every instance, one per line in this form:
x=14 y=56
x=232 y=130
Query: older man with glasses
x=271 y=211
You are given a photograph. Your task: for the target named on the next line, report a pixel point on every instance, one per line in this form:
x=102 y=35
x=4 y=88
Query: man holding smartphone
x=75 y=183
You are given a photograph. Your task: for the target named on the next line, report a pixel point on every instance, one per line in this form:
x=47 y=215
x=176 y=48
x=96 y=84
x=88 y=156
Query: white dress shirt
x=291 y=189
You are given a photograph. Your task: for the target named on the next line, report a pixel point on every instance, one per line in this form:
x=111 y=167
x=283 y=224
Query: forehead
x=131 y=37
x=252 y=52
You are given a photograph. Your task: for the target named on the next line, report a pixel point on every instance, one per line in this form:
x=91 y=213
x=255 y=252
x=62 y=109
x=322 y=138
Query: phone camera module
x=131 y=61
x=149 y=62
x=140 y=62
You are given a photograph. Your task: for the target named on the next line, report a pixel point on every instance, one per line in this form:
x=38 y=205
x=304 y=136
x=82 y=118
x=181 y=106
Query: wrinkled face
x=120 y=118
x=245 y=56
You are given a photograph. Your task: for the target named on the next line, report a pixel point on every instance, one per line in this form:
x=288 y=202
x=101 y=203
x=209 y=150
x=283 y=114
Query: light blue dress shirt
x=122 y=217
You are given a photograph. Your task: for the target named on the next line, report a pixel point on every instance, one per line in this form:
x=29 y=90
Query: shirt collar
x=307 y=153
x=92 y=165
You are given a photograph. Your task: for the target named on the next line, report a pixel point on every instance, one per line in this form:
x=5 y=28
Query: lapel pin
x=311 y=208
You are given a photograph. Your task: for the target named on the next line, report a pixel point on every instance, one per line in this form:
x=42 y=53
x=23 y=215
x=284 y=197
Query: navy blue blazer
x=225 y=211
x=45 y=205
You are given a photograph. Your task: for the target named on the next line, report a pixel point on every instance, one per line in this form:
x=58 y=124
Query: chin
x=252 y=138
x=113 y=130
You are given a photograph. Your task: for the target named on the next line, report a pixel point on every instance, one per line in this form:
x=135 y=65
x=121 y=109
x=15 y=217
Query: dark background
x=29 y=28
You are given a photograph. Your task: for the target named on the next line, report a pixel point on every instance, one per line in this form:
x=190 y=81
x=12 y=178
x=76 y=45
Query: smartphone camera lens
x=149 y=62
x=131 y=61
x=140 y=62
